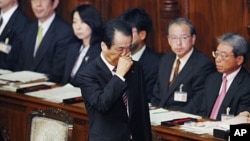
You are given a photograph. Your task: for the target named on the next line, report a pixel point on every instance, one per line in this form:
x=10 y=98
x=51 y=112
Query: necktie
x=39 y=35
x=219 y=99
x=176 y=70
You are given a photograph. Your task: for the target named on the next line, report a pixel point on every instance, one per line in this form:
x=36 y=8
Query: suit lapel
x=72 y=58
x=234 y=87
x=9 y=26
x=165 y=73
x=129 y=80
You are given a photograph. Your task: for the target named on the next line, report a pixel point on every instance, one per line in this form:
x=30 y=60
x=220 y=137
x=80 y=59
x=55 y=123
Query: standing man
x=229 y=86
x=46 y=41
x=113 y=90
x=183 y=71
x=12 y=22
x=141 y=25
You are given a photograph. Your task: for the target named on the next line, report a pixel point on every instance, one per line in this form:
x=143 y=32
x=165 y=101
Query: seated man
x=229 y=86
x=45 y=41
x=12 y=22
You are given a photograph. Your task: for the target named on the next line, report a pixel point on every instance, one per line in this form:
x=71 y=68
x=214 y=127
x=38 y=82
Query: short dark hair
x=92 y=18
x=112 y=26
x=240 y=44
x=138 y=18
x=182 y=20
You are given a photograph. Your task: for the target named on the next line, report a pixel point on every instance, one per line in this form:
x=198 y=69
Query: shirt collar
x=232 y=75
x=138 y=54
x=184 y=59
x=111 y=67
x=6 y=16
x=45 y=25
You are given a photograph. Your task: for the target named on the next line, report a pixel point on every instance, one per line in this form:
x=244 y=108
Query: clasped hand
x=124 y=64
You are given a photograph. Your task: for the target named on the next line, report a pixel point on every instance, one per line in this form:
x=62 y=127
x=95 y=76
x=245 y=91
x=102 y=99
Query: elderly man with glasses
x=228 y=88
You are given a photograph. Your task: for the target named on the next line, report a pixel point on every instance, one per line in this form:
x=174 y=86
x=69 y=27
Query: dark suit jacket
x=13 y=30
x=102 y=93
x=72 y=56
x=237 y=96
x=150 y=63
x=192 y=76
x=51 y=54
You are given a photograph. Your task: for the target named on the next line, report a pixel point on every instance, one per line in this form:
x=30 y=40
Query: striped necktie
x=176 y=71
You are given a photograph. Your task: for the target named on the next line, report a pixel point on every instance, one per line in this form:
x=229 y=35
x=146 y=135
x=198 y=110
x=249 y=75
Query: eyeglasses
x=36 y=1
x=182 y=37
x=222 y=55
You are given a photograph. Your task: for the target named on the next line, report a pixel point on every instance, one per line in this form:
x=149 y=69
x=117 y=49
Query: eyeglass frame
x=222 y=55
x=181 y=37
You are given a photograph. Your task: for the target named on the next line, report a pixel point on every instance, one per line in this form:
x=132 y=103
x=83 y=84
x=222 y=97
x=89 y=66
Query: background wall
x=211 y=18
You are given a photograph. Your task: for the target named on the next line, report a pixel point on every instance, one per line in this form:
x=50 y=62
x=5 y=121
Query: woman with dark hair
x=86 y=23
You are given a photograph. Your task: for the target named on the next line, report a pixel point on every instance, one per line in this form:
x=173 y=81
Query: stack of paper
x=57 y=94
x=159 y=115
x=207 y=127
x=23 y=76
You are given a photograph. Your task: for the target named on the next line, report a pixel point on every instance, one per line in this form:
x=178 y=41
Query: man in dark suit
x=12 y=22
x=86 y=25
x=179 y=86
x=44 y=50
x=112 y=87
x=230 y=55
x=149 y=59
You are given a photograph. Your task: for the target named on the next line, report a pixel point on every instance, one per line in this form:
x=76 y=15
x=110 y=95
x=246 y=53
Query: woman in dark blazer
x=86 y=25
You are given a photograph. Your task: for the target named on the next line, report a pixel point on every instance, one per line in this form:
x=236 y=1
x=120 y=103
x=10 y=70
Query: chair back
x=51 y=124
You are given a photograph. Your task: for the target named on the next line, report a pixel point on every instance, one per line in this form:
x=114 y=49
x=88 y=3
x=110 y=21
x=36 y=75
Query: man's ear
x=143 y=34
x=240 y=60
x=103 y=46
x=55 y=3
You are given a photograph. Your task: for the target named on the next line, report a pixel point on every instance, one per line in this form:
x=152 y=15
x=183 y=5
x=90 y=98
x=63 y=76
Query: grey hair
x=240 y=44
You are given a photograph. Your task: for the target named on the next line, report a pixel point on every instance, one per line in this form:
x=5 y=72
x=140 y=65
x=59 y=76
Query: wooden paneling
x=211 y=18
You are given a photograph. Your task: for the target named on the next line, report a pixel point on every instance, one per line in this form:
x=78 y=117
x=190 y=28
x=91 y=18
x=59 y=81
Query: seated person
x=86 y=25
x=45 y=41
x=12 y=22
x=229 y=86
x=149 y=59
x=188 y=78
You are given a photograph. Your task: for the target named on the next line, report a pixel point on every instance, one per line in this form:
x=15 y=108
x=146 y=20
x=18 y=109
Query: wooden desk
x=15 y=109
x=161 y=133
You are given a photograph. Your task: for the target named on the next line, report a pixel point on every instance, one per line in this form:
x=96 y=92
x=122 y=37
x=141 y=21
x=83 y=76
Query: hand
x=124 y=64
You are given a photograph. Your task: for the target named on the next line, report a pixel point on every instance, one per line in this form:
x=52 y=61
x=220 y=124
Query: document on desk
x=3 y=71
x=57 y=94
x=23 y=76
x=207 y=127
x=160 y=114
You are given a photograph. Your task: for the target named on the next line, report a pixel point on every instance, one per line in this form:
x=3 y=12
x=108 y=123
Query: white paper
x=57 y=94
x=23 y=76
x=4 y=71
x=207 y=127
